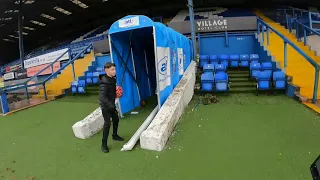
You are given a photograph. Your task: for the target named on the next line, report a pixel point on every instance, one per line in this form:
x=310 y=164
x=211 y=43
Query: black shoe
x=104 y=148
x=117 y=138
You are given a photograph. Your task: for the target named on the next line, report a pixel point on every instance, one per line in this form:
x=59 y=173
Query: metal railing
x=262 y=27
x=311 y=21
x=298 y=19
x=70 y=46
x=296 y=13
x=43 y=83
x=305 y=29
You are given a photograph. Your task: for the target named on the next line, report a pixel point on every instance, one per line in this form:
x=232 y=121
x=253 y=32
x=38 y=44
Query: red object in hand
x=143 y=103
x=119 y=92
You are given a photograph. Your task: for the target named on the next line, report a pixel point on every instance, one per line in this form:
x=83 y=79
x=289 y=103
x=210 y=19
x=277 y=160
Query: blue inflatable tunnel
x=150 y=59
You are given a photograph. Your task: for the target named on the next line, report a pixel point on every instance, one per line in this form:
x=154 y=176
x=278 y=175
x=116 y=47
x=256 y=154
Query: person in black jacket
x=107 y=96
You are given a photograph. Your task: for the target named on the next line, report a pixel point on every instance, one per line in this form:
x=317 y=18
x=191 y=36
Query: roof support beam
x=20 y=25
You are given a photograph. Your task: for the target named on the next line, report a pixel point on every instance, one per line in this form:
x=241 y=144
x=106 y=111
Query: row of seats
x=90 y=78
x=211 y=81
x=78 y=86
x=206 y=13
x=264 y=81
x=263 y=73
x=220 y=81
x=96 y=32
x=234 y=61
x=72 y=46
x=78 y=50
x=237 y=12
x=214 y=68
x=233 y=12
x=255 y=67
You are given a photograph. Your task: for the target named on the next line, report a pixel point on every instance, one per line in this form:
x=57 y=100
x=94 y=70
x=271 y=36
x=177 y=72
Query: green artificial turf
x=242 y=137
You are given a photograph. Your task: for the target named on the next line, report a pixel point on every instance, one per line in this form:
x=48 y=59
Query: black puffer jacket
x=107 y=94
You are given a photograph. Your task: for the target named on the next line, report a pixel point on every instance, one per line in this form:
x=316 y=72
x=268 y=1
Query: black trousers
x=108 y=115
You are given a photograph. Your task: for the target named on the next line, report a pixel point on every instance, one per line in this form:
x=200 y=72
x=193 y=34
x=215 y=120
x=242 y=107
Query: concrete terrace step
x=93 y=90
x=238 y=75
x=238 y=72
x=239 y=79
x=243 y=89
x=242 y=84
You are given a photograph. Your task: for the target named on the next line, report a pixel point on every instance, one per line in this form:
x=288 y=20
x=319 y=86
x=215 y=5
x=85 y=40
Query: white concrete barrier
x=157 y=134
x=89 y=126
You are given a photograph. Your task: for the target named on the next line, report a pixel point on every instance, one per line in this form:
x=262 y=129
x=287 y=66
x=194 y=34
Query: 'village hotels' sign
x=211 y=25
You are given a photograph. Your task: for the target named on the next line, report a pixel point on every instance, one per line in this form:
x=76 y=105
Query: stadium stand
x=215 y=76
x=298 y=66
x=205 y=14
x=270 y=58
x=210 y=13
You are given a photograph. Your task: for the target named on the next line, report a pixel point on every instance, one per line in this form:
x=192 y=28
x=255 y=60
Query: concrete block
x=158 y=132
x=92 y=124
x=89 y=126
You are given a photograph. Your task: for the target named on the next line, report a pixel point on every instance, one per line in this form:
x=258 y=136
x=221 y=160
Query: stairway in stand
x=239 y=81
x=302 y=72
x=64 y=80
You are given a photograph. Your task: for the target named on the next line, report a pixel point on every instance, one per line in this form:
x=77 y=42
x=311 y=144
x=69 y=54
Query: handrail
x=309 y=59
x=313 y=31
x=21 y=86
x=50 y=65
x=302 y=11
x=298 y=9
x=25 y=85
x=59 y=48
x=229 y=33
x=68 y=63
x=315 y=13
x=34 y=76
x=287 y=41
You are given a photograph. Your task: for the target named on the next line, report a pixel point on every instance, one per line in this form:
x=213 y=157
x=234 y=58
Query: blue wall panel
x=263 y=55
x=232 y=44
x=101 y=60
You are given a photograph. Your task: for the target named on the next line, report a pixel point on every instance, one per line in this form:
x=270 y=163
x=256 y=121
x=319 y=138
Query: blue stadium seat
x=234 y=60
x=254 y=57
x=208 y=68
x=244 y=60
x=74 y=86
x=253 y=62
x=279 y=80
x=89 y=77
x=224 y=59
x=204 y=59
x=95 y=77
x=267 y=67
x=214 y=59
x=255 y=67
x=82 y=86
x=99 y=69
x=263 y=80
x=221 y=81
x=88 y=50
x=220 y=68
x=102 y=73
x=207 y=81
